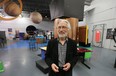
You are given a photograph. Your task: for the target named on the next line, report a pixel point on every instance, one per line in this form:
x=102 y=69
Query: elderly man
x=61 y=55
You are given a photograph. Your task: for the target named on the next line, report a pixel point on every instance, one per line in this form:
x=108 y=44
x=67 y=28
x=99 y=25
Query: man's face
x=62 y=29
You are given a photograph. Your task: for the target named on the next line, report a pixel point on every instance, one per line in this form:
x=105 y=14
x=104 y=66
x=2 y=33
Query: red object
x=81 y=50
x=97 y=36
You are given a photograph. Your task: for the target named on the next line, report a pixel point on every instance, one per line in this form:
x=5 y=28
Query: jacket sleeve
x=75 y=55
x=48 y=59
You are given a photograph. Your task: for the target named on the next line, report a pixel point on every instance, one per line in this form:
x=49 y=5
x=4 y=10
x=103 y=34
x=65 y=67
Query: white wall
x=103 y=13
x=21 y=24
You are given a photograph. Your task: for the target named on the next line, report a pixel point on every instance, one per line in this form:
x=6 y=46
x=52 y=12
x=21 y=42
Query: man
x=61 y=54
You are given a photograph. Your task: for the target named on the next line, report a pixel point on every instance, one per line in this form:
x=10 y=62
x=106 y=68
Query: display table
x=43 y=51
x=88 y=48
x=40 y=39
x=85 y=54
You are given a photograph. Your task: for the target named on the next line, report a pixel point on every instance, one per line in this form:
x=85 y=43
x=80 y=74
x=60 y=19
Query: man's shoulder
x=71 y=40
x=53 y=40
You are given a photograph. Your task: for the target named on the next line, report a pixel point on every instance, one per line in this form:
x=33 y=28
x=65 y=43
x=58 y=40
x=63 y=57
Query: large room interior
x=26 y=27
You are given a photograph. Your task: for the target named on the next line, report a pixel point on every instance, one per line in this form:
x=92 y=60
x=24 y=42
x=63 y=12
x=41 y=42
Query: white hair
x=66 y=21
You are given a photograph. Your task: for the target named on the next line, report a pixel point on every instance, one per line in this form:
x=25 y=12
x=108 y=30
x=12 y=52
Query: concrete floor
x=19 y=60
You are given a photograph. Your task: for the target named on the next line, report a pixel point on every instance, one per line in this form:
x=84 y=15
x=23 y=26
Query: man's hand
x=55 y=67
x=66 y=66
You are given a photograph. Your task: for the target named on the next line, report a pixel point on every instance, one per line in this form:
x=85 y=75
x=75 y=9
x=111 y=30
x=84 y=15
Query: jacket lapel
x=56 y=49
x=67 y=50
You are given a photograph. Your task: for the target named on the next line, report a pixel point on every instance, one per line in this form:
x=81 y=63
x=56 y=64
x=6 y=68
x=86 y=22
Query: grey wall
x=103 y=13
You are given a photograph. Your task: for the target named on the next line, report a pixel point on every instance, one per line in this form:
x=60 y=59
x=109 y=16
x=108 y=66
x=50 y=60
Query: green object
x=1 y=67
x=88 y=48
x=88 y=55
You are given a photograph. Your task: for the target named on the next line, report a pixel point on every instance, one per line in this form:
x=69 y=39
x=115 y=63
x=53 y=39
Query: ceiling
x=41 y=6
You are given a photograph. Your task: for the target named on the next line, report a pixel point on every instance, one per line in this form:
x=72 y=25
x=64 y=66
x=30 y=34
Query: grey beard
x=64 y=35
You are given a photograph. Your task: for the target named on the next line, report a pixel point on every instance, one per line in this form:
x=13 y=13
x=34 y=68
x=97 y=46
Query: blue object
x=43 y=54
x=39 y=37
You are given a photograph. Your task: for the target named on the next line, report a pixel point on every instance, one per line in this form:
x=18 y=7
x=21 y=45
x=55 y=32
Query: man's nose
x=61 y=28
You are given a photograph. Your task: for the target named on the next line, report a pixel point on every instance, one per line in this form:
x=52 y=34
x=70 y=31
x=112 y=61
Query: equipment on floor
x=31 y=30
x=32 y=42
x=41 y=64
x=3 y=40
x=114 y=37
x=1 y=67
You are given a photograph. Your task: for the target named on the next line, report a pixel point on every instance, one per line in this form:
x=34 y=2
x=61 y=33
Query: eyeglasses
x=63 y=27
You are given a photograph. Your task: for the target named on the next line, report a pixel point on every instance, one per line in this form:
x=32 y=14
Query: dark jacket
x=52 y=55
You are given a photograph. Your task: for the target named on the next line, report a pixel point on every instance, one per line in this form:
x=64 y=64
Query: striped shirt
x=62 y=53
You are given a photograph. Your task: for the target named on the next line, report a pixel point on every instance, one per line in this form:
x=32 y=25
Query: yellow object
x=43 y=48
x=86 y=34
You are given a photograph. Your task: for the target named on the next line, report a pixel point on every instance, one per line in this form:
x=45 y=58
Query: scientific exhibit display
x=12 y=9
x=31 y=30
x=36 y=17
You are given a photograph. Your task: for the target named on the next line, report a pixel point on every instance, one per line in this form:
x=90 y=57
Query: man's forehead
x=62 y=23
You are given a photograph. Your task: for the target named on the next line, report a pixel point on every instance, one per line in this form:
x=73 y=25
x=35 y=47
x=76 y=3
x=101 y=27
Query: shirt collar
x=66 y=40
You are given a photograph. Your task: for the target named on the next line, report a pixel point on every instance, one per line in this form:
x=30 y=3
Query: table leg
x=86 y=65
x=115 y=64
x=83 y=62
